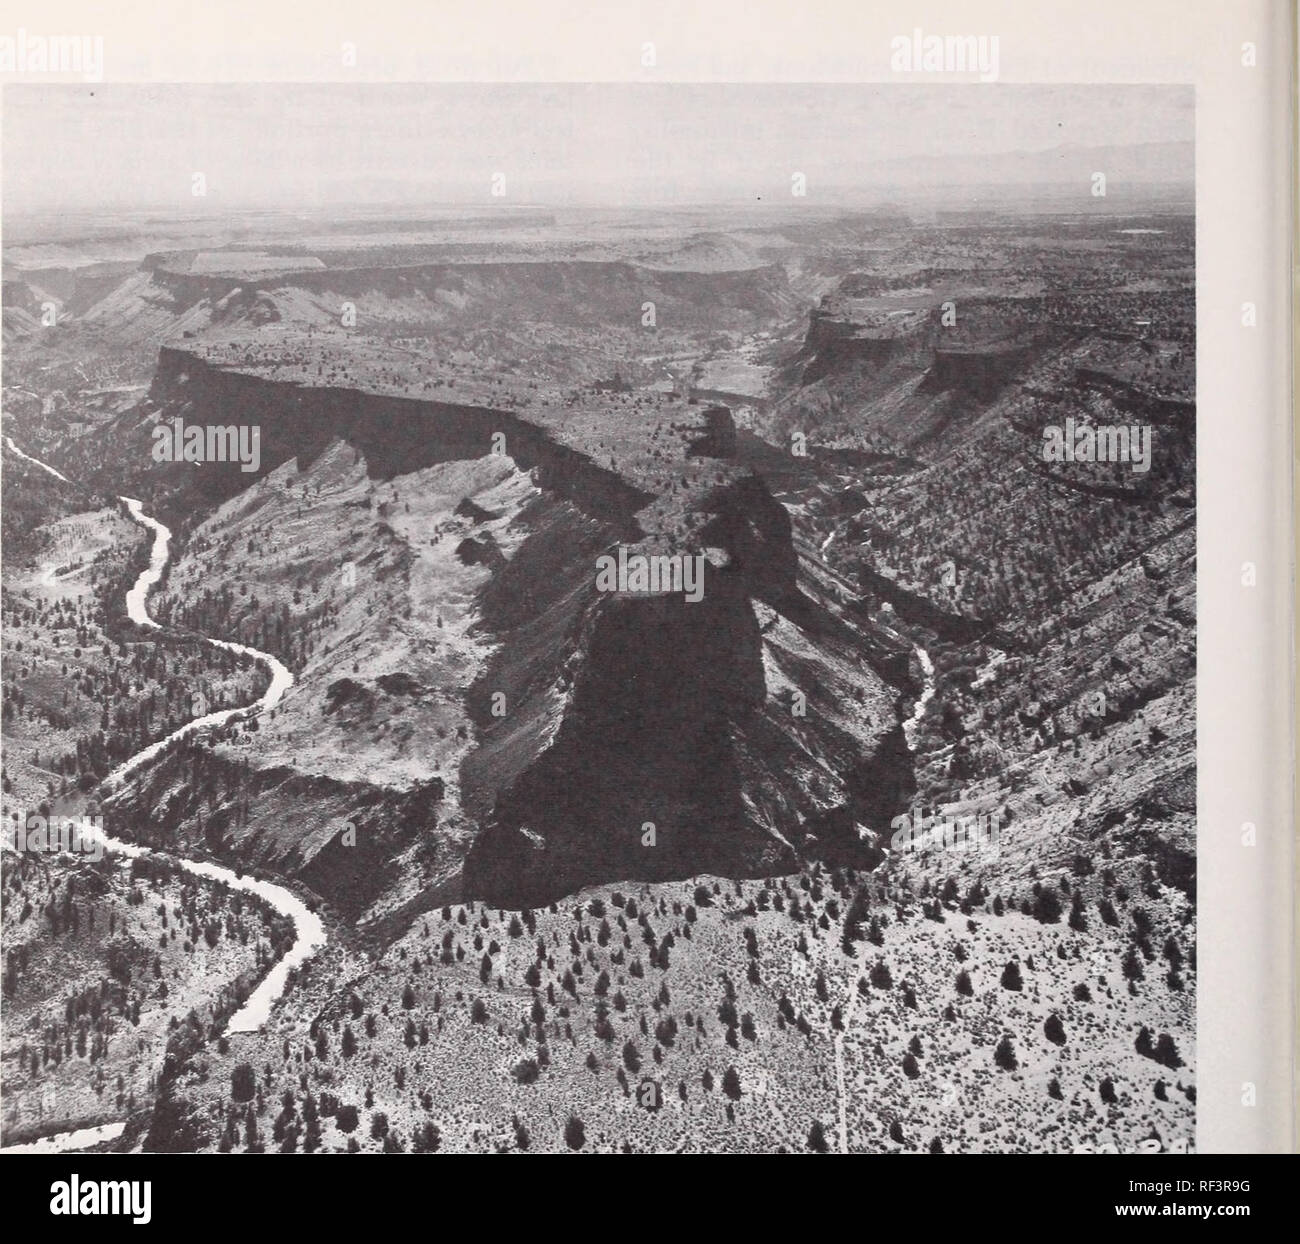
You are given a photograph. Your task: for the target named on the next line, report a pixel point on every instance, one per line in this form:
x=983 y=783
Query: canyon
x=544 y=821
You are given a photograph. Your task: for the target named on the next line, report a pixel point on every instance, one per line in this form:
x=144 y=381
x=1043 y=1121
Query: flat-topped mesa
x=980 y=368
x=963 y=338
x=834 y=340
x=396 y=434
x=595 y=290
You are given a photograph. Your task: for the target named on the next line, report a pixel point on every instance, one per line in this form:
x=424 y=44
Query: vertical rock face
x=396 y=435
x=979 y=371
x=650 y=737
x=833 y=343
x=641 y=779
x=719 y=439
x=755 y=530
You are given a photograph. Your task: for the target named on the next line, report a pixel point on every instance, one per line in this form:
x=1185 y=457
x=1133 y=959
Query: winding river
x=281 y=678
x=36 y=462
x=309 y=929
x=913 y=724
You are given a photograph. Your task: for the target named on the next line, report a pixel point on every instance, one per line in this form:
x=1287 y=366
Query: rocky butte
x=623 y=709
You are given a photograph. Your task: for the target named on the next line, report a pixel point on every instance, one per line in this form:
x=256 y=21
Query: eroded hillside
x=471 y=715
x=569 y=838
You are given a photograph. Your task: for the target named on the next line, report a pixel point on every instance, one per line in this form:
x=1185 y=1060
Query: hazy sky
x=290 y=145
